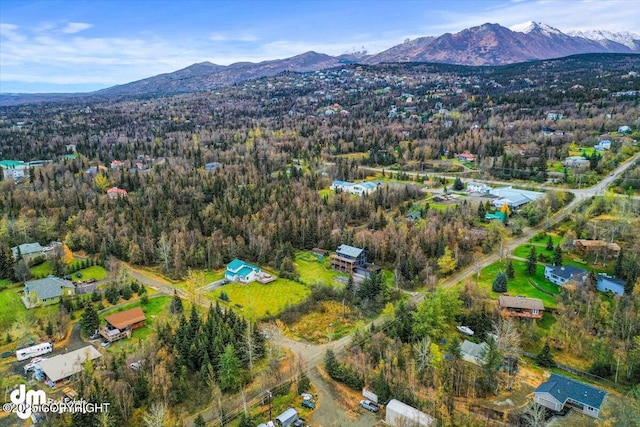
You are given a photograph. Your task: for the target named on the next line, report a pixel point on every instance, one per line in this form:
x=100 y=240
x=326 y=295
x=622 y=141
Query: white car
x=105 y=343
x=465 y=330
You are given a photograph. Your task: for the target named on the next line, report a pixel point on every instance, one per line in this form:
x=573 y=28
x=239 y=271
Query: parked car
x=91 y=280
x=105 y=344
x=306 y=403
x=369 y=405
x=67 y=277
x=137 y=365
x=299 y=423
x=94 y=336
x=78 y=274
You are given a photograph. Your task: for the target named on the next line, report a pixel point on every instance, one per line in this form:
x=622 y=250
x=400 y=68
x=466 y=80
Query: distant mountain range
x=487 y=44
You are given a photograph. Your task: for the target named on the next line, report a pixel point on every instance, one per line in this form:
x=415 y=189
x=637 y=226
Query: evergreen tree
x=481 y=211
x=49 y=329
x=500 y=283
x=303 y=383
x=199 y=421
x=557 y=256
x=246 y=420
x=331 y=365
x=618 y=270
x=511 y=273
x=229 y=370
x=457 y=184
x=545 y=358
x=176 y=304
x=381 y=387
x=89 y=321
x=6 y=263
x=549 y=246
x=532 y=262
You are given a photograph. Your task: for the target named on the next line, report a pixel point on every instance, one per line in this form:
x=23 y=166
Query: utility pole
x=270 y=396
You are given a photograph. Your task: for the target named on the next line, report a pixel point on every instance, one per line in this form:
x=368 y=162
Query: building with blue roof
x=46 y=291
x=562 y=274
x=347 y=258
x=241 y=271
x=610 y=284
x=27 y=250
x=558 y=392
x=514 y=198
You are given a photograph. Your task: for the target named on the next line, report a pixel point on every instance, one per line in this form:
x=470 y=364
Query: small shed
x=287 y=418
x=400 y=414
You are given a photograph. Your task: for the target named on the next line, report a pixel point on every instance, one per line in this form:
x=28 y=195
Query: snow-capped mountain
x=631 y=40
x=530 y=26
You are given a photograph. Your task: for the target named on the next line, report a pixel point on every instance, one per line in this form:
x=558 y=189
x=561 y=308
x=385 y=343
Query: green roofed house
x=46 y=291
x=558 y=392
x=240 y=271
x=500 y=216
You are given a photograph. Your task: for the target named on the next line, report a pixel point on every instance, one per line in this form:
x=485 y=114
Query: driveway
x=331 y=410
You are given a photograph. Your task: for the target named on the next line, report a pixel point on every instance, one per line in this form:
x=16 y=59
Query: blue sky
x=79 y=45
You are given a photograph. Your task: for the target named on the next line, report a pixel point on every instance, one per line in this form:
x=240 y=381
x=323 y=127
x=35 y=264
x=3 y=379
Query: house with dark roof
x=513 y=197
x=607 y=283
x=241 y=271
x=562 y=274
x=347 y=258
x=597 y=247
x=527 y=308
x=559 y=392
x=46 y=291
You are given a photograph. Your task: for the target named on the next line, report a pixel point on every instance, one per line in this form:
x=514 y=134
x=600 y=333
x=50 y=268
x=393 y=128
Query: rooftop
x=567 y=271
x=126 y=318
x=521 y=302
x=26 y=249
x=64 y=365
x=49 y=287
x=349 y=251
x=563 y=388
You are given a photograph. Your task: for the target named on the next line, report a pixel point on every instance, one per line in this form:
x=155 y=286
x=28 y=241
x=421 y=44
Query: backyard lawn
x=94 y=272
x=311 y=270
x=260 y=300
x=16 y=319
x=520 y=285
x=42 y=270
x=153 y=308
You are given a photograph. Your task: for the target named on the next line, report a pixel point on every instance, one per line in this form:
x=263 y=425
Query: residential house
x=547 y=131
x=466 y=157
x=477 y=187
x=559 y=392
x=116 y=193
x=603 y=145
x=610 y=284
x=213 y=166
x=347 y=258
x=497 y=216
x=63 y=366
x=474 y=353
x=120 y=325
x=117 y=164
x=240 y=271
x=46 y=291
x=575 y=161
x=359 y=189
x=27 y=251
x=514 y=198
x=554 y=116
x=597 y=247
x=366 y=271
x=413 y=216
x=527 y=308
x=562 y=274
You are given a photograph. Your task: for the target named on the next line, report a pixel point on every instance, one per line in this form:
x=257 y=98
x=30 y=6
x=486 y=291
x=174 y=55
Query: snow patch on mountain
x=626 y=38
x=527 y=27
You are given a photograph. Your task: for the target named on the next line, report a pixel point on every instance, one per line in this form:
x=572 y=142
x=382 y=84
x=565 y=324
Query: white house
x=562 y=274
x=477 y=187
x=575 y=161
x=514 y=198
x=603 y=145
x=240 y=271
x=360 y=189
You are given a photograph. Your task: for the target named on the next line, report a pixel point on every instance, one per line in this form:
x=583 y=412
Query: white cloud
x=222 y=37
x=76 y=27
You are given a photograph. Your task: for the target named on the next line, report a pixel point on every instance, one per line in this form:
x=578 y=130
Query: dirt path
x=330 y=411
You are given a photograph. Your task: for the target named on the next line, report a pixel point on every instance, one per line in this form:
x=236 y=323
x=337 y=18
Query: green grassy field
x=207 y=275
x=4 y=283
x=154 y=308
x=94 y=272
x=42 y=270
x=520 y=285
x=256 y=299
x=16 y=319
x=311 y=270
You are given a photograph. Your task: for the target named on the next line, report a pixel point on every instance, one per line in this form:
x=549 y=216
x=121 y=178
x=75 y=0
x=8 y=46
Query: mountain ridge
x=486 y=44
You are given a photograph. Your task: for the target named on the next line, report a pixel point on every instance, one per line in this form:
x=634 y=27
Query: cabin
x=597 y=247
x=559 y=392
x=525 y=308
x=120 y=325
x=347 y=258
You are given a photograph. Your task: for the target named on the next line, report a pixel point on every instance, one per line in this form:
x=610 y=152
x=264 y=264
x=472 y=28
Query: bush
x=224 y=297
x=127 y=292
x=144 y=299
x=135 y=287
